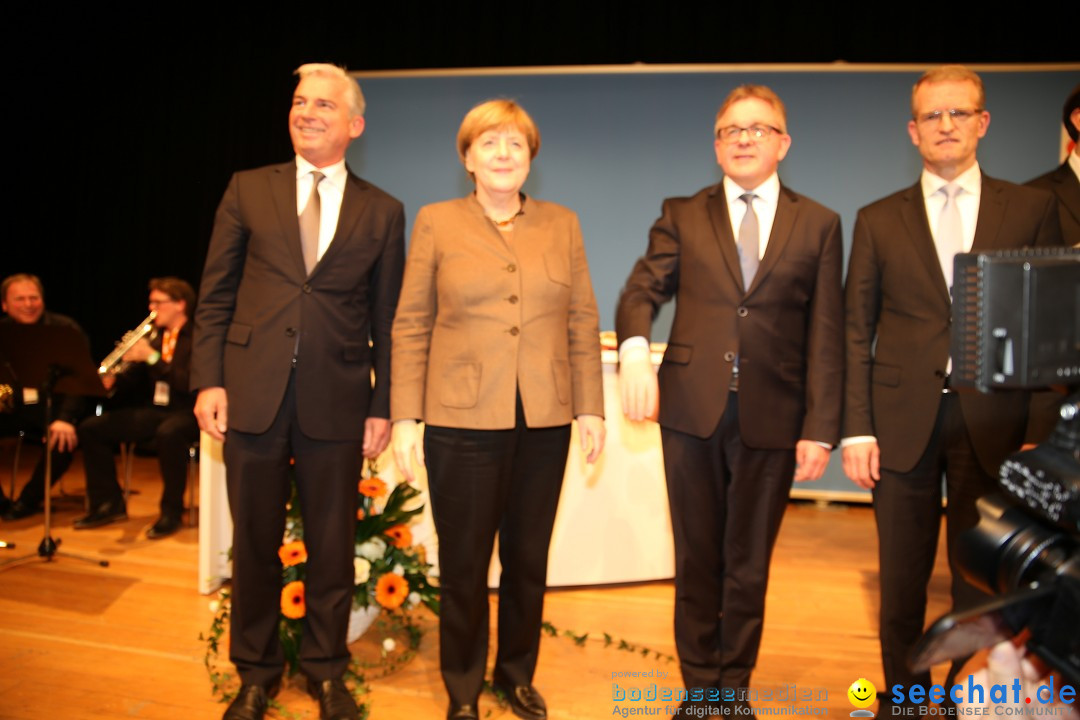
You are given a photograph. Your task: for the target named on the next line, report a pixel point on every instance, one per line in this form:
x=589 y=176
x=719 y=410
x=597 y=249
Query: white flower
x=413 y=599
x=373 y=549
x=399 y=569
x=215 y=606
x=388 y=645
x=361 y=570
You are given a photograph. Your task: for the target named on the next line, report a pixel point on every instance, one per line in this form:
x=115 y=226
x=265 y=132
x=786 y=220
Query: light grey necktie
x=950 y=234
x=749 y=241
x=309 y=225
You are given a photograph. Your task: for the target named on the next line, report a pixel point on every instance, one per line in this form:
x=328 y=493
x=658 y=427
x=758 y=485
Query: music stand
x=54 y=359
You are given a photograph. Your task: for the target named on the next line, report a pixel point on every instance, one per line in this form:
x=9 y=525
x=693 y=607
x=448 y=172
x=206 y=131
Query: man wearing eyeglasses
x=903 y=425
x=749 y=391
x=155 y=377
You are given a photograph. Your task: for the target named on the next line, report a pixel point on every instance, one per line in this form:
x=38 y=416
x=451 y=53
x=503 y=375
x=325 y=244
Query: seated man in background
x=158 y=371
x=24 y=303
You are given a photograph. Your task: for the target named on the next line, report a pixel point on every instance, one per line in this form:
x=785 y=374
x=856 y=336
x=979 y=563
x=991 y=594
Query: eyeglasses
x=166 y=301
x=732 y=133
x=957 y=115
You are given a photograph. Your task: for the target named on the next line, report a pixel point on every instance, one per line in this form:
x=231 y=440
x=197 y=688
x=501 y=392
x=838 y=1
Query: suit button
x=306 y=288
x=729 y=356
x=511 y=268
x=742 y=312
x=512 y=299
x=514 y=331
x=291 y=332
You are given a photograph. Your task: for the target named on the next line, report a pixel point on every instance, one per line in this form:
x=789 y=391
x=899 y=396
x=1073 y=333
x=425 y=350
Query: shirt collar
x=768 y=191
x=970 y=180
x=1074 y=163
x=335 y=173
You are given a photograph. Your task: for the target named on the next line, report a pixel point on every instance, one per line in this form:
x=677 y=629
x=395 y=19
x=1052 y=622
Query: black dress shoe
x=105 y=514
x=335 y=700
x=524 y=700
x=19 y=510
x=249 y=704
x=462 y=712
x=165 y=526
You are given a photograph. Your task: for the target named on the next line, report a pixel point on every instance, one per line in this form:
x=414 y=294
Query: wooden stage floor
x=82 y=642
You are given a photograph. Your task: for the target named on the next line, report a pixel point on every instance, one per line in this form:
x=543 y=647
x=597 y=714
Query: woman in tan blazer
x=496 y=350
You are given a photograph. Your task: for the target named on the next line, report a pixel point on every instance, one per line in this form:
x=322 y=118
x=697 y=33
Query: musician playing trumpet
x=155 y=373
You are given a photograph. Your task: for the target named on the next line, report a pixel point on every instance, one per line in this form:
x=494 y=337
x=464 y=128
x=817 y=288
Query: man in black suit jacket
x=304 y=268
x=1064 y=182
x=749 y=389
x=903 y=426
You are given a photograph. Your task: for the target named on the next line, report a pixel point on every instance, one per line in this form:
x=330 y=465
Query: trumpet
x=113 y=361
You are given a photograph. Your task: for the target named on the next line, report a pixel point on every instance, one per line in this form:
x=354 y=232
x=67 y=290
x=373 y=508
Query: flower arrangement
x=390 y=573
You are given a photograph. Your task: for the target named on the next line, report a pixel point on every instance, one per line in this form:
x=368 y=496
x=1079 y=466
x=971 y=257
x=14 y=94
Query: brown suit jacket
x=256 y=297
x=787 y=328
x=1063 y=184
x=481 y=318
x=899 y=317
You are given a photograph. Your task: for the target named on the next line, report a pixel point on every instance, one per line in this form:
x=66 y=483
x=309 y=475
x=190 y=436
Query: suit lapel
x=283 y=191
x=918 y=229
x=991 y=214
x=718 y=214
x=783 y=223
x=1068 y=190
x=353 y=205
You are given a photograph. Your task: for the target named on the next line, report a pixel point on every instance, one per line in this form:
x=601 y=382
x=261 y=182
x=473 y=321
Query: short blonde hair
x=21 y=277
x=352 y=88
x=745 y=92
x=950 y=73
x=496 y=114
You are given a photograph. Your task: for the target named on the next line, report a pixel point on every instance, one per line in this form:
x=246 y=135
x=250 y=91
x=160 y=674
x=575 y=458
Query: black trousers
x=727 y=501
x=258 y=482
x=907 y=507
x=483 y=482
x=31 y=419
x=172 y=430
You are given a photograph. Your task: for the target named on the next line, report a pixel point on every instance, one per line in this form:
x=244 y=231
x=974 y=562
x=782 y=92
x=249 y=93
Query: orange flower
x=292 y=553
x=292 y=600
x=391 y=591
x=359 y=513
x=400 y=536
x=372 y=487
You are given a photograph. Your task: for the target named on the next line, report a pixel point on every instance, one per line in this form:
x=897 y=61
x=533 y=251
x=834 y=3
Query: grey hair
x=356 y=97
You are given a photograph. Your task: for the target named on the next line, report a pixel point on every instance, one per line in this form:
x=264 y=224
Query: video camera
x=1016 y=325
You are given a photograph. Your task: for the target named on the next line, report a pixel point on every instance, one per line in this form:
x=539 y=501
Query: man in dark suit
x=22 y=297
x=156 y=382
x=749 y=389
x=304 y=268
x=1064 y=182
x=903 y=426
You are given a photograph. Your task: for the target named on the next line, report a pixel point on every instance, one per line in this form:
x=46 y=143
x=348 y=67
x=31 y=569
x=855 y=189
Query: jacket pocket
x=558 y=268
x=561 y=370
x=792 y=371
x=460 y=385
x=354 y=352
x=886 y=375
x=678 y=354
x=238 y=334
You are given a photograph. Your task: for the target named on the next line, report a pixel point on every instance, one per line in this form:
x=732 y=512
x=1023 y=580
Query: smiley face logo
x=862 y=693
